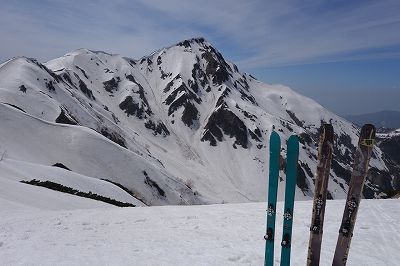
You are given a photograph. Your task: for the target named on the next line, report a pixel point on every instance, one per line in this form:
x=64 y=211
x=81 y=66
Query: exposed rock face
x=111 y=85
x=225 y=122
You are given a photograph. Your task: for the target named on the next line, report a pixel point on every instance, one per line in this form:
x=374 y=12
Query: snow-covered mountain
x=180 y=126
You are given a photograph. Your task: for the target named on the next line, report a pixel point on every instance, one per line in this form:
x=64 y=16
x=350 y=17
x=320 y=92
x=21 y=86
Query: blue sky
x=332 y=51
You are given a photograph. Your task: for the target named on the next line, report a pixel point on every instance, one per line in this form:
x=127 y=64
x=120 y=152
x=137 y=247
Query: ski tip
x=368 y=130
x=326 y=131
x=275 y=135
x=293 y=142
x=275 y=141
x=293 y=139
x=367 y=135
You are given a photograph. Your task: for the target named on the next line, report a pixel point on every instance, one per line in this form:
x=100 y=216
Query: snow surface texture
x=180 y=126
x=226 y=234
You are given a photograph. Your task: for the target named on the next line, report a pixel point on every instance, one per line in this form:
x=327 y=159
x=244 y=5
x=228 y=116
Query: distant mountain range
x=386 y=119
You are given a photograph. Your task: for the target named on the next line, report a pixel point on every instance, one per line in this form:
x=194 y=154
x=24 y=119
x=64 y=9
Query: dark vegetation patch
x=113 y=136
x=63 y=118
x=50 y=86
x=225 y=121
x=158 y=128
x=148 y=181
x=85 y=90
x=68 y=190
x=16 y=107
x=130 y=192
x=60 y=165
x=111 y=85
x=22 y=88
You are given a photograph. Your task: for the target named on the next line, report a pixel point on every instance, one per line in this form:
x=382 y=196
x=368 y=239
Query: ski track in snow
x=227 y=234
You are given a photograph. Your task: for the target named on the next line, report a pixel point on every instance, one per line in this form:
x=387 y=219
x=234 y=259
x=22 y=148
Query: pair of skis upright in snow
x=291 y=180
x=360 y=169
x=325 y=151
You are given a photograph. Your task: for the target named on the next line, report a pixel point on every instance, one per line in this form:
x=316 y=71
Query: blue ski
x=274 y=155
x=290 y=189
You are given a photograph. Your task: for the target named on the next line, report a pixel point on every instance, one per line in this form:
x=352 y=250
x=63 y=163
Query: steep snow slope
x=193 y=117
x=229 y=234
x=86 y=152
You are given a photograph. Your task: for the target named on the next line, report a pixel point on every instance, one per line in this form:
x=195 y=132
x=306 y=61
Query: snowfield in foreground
x=229 y=234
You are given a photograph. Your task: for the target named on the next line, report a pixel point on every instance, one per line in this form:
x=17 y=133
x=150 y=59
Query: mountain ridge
x=188 y=112
x=382 y=119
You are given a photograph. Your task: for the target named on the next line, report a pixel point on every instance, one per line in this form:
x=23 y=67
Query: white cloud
x=258 y=33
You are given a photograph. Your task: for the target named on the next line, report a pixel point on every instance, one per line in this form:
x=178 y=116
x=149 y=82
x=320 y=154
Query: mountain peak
x=197 y=40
